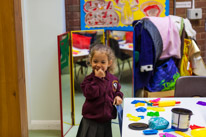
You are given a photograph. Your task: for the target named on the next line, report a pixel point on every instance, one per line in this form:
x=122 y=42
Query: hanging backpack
x=164 y=77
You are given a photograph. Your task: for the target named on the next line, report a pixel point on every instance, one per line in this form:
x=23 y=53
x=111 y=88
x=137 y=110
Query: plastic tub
x=181 y=119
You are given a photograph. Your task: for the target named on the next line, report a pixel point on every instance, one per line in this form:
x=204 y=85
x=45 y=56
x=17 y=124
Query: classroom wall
x=73 y=19
x=43 y=20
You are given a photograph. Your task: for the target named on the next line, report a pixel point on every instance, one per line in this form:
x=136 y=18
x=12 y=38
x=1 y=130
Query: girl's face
x=100 y=60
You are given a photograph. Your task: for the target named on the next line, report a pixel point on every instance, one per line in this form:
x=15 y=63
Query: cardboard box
x=169 y=93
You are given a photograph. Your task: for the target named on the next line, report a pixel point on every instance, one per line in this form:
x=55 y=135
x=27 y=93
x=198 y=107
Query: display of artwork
x=152 y=8
x=112 y=14
x=127 y=9
x=100 y=13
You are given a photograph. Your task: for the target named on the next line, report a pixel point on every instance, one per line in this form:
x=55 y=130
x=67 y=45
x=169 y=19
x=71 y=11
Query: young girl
x=102 y=92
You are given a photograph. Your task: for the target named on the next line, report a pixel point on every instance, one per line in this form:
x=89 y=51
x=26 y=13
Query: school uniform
x=98 y=108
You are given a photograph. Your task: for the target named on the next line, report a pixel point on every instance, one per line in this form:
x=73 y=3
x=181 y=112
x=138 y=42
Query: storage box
x=169 y=93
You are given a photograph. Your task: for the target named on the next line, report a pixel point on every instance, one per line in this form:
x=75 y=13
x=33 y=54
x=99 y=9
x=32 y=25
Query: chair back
x=190 y=86
x=114 y=46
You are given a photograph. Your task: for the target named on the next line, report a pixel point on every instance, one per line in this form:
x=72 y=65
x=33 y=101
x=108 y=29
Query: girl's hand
x=99 y=73
x=117 y=100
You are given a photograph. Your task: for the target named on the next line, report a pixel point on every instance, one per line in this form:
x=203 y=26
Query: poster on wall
x=119 y=14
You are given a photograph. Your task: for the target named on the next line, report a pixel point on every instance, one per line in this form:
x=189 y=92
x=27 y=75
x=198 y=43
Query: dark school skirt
x=91 y=128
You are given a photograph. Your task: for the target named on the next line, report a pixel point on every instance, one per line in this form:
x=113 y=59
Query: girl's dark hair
x=108 y=51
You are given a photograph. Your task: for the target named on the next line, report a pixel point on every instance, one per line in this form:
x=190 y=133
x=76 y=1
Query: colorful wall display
x=119 y=14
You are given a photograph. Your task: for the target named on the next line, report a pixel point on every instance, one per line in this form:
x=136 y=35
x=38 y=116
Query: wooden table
x=126 y=48
x=81 y=54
